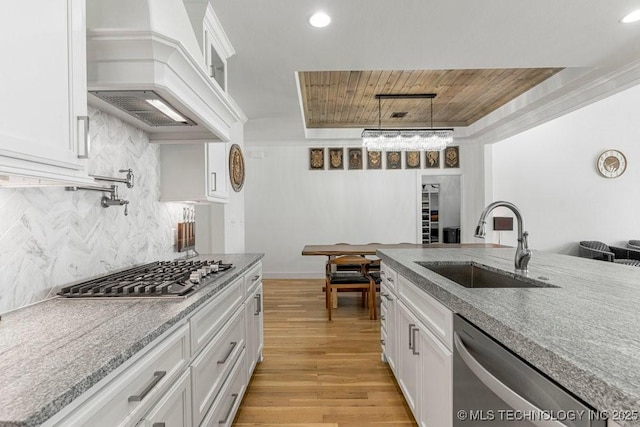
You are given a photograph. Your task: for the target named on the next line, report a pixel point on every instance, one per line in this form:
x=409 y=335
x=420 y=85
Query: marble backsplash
x=50 y=237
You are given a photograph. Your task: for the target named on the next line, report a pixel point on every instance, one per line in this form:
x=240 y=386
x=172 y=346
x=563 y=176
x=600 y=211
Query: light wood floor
x=316 y=373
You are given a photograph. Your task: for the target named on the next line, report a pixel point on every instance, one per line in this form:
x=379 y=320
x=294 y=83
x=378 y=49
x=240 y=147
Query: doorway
x=439 y=209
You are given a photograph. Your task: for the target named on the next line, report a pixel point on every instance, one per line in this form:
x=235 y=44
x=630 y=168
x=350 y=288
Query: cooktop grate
x=156 y=279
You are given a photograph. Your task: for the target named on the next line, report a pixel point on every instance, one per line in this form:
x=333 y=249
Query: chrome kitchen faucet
x=523 y=254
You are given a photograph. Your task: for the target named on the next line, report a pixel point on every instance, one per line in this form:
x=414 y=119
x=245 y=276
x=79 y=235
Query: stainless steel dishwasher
x=493 y=387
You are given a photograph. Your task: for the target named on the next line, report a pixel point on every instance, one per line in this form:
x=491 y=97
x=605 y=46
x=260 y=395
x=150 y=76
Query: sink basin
x=472 y=275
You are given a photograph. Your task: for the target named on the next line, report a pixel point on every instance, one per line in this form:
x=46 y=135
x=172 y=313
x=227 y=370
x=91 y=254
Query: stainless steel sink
x=472 y=275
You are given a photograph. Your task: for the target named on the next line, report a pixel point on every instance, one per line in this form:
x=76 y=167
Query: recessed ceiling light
x=631 y=17
x=320 y=19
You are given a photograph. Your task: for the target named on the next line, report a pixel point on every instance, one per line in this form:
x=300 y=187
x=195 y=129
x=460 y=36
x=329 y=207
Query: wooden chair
x=350 y=280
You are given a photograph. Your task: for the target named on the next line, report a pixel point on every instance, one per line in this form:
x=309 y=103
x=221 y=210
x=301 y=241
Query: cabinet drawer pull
x=382 y=273
x=383 y=317
x=382 y=342
x=256 y=277
x=390 y=279
x=233 y=345
x=413 y=332
x=158 y=425
x=85 y=154
x=387 y=297
x=258 y=304
x=157 y=376
x=233 y=403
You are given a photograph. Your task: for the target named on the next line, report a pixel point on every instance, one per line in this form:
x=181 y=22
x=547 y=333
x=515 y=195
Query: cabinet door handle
x=382 y=342
x=256 y=277
x=411 y=326
x=387 y=297
x=157 y=376
x=390 y=279
x=258 y=304
x=158 y=425
x=233 y=403
x=413 y=332
x=383 y=317
x=382 y=273
x=212 y=183
x=85 y=154
x=233 y=345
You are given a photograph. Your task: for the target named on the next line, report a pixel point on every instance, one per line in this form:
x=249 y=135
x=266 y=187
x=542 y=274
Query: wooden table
x=370 y=249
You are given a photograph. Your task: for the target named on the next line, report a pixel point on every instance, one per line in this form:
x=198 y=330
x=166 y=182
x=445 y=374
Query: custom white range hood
x=143 y=54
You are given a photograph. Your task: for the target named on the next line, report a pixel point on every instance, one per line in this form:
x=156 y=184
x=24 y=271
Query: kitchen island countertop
x=53 y=351
x=584 y=334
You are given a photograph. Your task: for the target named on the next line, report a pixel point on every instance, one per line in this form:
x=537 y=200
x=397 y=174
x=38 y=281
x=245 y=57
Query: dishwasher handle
x=510 y=397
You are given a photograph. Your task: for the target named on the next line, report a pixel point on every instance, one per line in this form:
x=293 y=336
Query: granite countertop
x=53 y=351
x=585 y=334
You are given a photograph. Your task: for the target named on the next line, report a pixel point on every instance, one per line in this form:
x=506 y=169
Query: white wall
x=289 y=206
x=50 y=237
x=549 y=173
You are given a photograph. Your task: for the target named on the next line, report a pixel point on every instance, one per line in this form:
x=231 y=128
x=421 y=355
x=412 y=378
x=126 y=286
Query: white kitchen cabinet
x=254 y=316
x=421 y=344
x=197 y=172
x=174 y=409
x=436 y=385
x=228 y=400
x=388 y=326
x=194 y=374
x=211 y=368
x=43 y=116
x=128 y=395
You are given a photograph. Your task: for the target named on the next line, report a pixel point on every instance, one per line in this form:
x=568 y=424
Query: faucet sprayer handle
x=126 y=207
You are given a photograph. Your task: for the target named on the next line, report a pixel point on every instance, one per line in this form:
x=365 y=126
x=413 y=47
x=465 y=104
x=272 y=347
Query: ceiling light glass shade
x=320 y=20
x=631 y=17
x=406 y=139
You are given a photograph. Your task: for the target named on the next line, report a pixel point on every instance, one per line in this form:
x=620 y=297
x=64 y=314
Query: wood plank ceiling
x=346 y=99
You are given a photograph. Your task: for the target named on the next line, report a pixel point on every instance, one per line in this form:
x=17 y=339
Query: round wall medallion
x=611 y=164
x=236 y=167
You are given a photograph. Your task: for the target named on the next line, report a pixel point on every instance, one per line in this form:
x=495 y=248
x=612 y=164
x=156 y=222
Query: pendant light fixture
x=406 y=139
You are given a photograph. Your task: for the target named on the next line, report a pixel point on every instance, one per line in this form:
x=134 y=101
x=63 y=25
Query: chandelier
x=406 y=139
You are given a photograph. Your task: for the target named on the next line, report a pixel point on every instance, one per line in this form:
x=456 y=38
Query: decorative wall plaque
x=374 y=159
x=316 y=158
x=355 y=158
x=412 y=160
x=451 y=157
x=432 y=159
x=336 y=160
x=394 y=160
x=236 y=167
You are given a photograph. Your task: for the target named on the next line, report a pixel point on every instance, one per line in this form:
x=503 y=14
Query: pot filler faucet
x=523 y=254
x=112 y=199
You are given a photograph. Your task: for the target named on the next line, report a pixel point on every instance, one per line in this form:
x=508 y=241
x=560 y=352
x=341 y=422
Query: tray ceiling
x=346 y=99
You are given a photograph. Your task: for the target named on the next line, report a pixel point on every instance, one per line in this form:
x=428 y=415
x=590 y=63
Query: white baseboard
x=268 y=275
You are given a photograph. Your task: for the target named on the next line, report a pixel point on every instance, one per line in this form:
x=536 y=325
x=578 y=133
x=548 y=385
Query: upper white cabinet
x=43 y=113
x=195 y=172
x=215 y=45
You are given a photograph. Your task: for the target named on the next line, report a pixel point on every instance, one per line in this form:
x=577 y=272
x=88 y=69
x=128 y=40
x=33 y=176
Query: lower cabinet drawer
x=208 y=320
x=174 y=408
x=226 y=405
x=212 y=366
x=436 y=317
x=132 y=393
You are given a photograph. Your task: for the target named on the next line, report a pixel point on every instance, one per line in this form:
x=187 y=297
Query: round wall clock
x=611 y=164
x=236 y=167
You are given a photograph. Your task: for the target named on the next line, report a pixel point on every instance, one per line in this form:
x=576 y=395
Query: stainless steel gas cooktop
x=156 y=279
